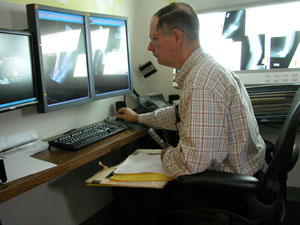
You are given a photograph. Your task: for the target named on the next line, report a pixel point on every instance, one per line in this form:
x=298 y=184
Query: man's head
x=179 y=16
x=174 y=34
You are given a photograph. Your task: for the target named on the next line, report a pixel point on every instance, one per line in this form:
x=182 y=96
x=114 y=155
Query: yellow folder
x=108 y=177
x=141 y=177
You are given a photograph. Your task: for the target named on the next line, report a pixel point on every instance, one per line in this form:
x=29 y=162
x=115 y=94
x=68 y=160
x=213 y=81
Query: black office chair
x=264 y=194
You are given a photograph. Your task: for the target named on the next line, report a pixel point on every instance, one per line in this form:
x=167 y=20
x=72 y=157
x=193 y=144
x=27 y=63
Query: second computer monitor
x=62 y=56
x=110 y=55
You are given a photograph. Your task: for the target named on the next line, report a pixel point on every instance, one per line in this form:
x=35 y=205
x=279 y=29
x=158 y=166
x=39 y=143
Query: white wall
x=64 y=200
x=159 y=82
x=13 y=16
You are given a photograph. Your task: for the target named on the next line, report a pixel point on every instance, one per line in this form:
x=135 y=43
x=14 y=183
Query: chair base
x=214 y=217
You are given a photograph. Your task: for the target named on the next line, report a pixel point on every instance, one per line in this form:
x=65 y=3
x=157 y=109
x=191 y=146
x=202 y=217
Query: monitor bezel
x=34 y=100
x=33 y=26
x=119 y=92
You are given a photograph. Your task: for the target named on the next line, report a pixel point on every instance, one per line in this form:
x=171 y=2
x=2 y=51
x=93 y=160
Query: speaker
x=3 y=176
x=147 y=69
x=120 y=104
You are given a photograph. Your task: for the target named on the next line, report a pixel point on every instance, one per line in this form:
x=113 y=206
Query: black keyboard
x=78 y=139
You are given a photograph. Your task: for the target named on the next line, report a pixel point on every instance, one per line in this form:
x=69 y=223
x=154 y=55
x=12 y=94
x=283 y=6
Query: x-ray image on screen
x=64 y=56
x=257 y=38
x=283 y=49
x=64 y=52
x=109 y=45
x=234 y=25
x=253 y=53
x=110 y=54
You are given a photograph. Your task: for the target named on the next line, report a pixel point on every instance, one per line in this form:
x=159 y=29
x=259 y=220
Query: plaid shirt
x=218 y=129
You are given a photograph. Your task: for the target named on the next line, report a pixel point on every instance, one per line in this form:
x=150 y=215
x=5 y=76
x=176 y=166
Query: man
x=217 y=128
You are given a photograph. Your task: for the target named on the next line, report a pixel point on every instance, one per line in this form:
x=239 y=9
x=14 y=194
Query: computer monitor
x=17 y=78
x=260 y=43
x=110 y=55
x=62 y=56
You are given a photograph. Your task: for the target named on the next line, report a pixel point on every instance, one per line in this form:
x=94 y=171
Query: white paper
x=141 y=163
x=11 y=141
x=26 y=149
x=22 y=165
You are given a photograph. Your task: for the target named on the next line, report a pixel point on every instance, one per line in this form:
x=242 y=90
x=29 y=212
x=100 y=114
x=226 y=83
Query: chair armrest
x=269 y=151
x=294 y=158
x=219 y=180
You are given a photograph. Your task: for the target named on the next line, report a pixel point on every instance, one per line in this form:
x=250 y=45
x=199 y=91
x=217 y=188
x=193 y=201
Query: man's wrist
x=136 y=118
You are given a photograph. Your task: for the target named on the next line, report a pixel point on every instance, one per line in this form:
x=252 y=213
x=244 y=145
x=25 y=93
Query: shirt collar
x=187 y=67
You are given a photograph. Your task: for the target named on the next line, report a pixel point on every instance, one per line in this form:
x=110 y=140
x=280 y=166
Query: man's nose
x=150 y=47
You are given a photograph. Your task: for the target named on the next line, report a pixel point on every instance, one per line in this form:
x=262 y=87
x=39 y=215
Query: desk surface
x=67 y=161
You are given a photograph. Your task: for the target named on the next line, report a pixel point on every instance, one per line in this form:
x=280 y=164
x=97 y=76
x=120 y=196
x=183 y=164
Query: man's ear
x=178 y=36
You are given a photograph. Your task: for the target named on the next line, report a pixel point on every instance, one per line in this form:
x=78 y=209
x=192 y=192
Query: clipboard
x=102 y=178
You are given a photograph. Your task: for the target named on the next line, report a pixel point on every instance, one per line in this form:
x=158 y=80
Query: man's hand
x=127 y=114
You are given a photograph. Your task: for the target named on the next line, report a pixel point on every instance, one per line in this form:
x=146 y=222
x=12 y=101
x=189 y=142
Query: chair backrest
x=284 y=145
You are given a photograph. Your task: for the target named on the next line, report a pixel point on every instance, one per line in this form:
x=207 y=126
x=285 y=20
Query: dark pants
x=142 y=206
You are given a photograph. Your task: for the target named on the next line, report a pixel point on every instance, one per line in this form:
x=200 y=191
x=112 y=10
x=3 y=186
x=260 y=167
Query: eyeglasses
x=154 y=38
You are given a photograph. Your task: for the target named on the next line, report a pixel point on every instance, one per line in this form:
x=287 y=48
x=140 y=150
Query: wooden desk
x=67 y=161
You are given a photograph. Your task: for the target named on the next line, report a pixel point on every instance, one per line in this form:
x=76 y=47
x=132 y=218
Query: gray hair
x=180 y=16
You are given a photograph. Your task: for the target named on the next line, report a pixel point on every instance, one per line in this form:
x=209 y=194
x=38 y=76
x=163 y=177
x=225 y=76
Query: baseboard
x=103 y=216
x=293 y=194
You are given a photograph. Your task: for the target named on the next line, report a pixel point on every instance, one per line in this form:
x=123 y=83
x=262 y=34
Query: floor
x=107 y=216
x=292 y=216
x=292 y=213
x=292 y=207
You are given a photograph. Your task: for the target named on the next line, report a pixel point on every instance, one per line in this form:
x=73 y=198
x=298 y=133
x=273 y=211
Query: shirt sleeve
x=203 y=122
x=163 y=118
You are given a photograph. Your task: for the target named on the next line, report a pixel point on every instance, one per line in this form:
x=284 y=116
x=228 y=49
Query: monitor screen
x=62 y=56
x=110 y=55
x=258 y=39
x=17 y=84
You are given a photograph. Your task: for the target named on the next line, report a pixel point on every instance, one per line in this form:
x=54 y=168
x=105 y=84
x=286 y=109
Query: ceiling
x=210 y=5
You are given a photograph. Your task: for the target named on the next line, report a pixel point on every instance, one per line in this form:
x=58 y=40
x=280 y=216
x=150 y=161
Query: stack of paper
x=143 y=166
x=19 y=163
x=11 y=141
x=271 y=103
x=141 y=169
